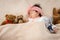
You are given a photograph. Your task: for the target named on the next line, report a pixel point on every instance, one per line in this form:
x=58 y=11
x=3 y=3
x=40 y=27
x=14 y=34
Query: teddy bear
x=20 y=19
x=56 y=16
x=9 y=19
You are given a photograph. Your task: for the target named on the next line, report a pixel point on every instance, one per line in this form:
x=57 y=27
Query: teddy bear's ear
x=6 y=15
x=21 y=15
x=14 y=16
x=54 y=11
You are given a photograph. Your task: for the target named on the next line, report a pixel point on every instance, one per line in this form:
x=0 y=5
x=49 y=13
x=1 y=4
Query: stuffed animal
x=20 y=19
x=10 y=19
x=56 y=16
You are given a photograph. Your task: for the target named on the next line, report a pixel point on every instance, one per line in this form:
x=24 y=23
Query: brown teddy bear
x=56 y=16
x=10 y=19
x=20 y=19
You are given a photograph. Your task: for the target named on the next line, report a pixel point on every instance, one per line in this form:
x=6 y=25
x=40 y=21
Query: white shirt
x=41 y=19
x=38 y=19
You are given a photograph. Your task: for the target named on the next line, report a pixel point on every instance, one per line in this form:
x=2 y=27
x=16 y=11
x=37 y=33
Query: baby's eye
x=36 y=11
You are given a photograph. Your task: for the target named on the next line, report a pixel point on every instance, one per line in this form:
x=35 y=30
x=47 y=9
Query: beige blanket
x=27 y=31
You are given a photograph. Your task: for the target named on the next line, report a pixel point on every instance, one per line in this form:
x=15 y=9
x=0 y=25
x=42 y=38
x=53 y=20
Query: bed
x=27 y=31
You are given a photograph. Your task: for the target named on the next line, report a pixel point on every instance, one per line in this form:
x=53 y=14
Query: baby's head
x=35 y=11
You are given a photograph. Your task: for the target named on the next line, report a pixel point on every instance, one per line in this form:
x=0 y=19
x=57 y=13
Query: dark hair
x=37 y=5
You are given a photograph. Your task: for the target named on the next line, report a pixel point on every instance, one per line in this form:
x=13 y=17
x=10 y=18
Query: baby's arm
x=52 y=28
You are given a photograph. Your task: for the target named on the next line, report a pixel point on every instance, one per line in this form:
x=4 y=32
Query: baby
x=35 y=14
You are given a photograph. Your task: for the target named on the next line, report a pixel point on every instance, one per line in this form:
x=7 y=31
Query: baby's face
x=34 y=14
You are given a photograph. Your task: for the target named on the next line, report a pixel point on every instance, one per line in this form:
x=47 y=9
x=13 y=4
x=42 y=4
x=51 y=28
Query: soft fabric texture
x=27 y=31
x=42 y=19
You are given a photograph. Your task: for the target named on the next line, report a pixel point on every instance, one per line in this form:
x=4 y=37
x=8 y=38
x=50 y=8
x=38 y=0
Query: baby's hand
x=55 y=30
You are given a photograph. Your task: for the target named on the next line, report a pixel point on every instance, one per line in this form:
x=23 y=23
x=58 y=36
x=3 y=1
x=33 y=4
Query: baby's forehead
x=34 y=11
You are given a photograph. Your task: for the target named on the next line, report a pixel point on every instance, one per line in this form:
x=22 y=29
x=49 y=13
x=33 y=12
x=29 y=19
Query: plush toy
x=56 y=16
x=20 y=19
x=10 y=19
x=59 y=16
